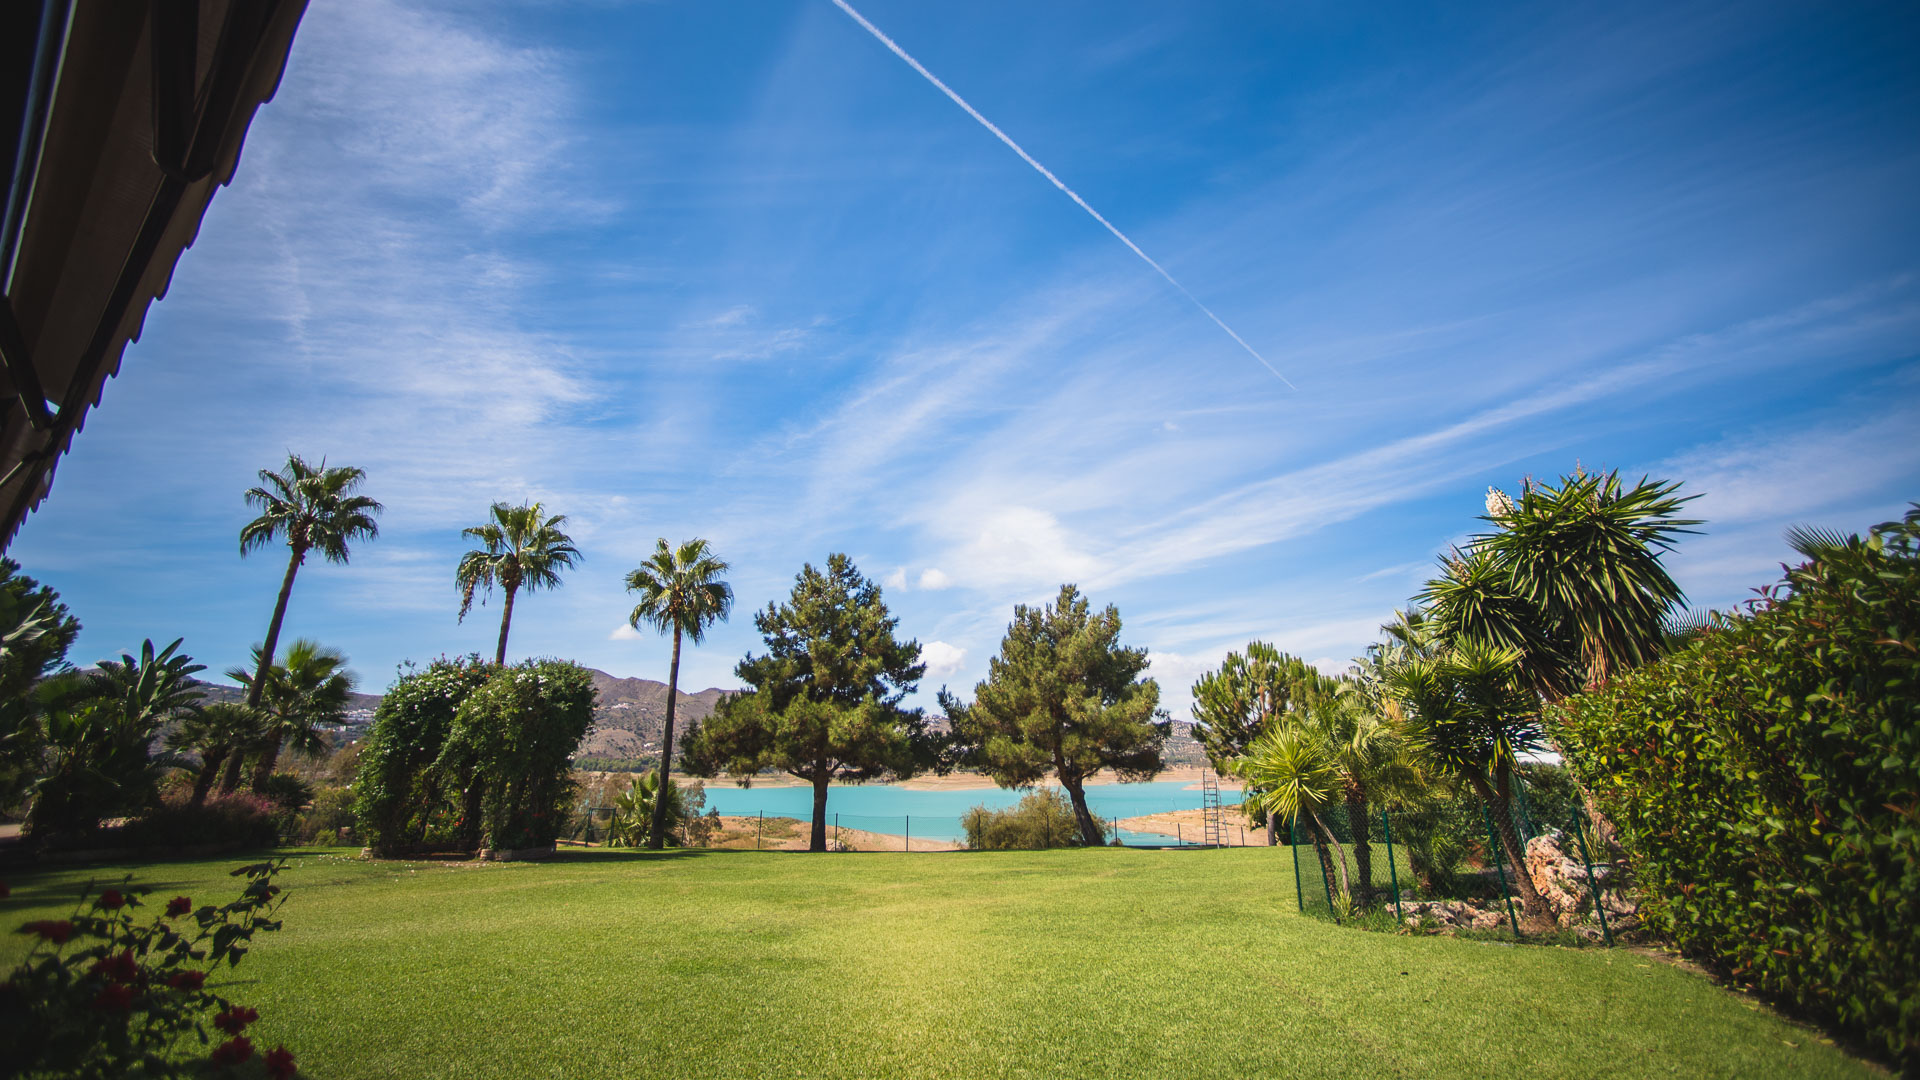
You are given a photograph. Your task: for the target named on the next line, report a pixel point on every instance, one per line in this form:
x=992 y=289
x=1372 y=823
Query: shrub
x=240 y=818
x=332 y=810
x=1041 y=819
x=508 y=752
x=1766 y=782
x=103 y=996
x=288 y=792
x=397 y=800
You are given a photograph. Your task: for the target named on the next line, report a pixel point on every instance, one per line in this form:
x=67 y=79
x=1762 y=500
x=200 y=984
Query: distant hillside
x=632 y=716
x=220 y=692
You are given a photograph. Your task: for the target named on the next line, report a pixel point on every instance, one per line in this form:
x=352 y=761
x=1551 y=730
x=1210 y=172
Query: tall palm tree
x=315 y=509
x=519 y=550
x=309 y=689
x=680 y=593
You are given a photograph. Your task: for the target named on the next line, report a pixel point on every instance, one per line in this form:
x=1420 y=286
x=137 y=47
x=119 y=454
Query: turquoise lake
x=884 y=808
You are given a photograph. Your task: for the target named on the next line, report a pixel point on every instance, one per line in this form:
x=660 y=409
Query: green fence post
x=1499 y=866
x=1393 y=873
x=909 y=844
x=1593 y=882
x=1293 y=837
x=758 y=828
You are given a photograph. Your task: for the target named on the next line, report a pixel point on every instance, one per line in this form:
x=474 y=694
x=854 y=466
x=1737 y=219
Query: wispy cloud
x=894 y=47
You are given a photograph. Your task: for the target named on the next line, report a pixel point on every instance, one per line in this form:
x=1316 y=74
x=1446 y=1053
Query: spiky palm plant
x=1292 y=770
x=308 y=689
x=314 y=508
x=1585 y=554
x=519 y=549
x=680 y=593
x=1470 y=714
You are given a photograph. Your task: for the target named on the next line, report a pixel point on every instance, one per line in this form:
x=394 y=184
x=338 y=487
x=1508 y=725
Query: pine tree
x=1063 y=698
x=825 y=702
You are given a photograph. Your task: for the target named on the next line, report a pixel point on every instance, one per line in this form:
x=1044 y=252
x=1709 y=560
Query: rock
x=1560 y=878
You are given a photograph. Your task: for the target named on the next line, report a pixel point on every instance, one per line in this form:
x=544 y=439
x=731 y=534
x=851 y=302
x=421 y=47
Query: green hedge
x=1766 y=784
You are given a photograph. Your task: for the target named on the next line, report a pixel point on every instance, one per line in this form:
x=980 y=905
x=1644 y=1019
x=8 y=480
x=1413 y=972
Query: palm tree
x=1293 y=774
x=520 y=550
x=1470 y=714
x=308 y=690
x=99 y=727
x=1366 y=747
x=1586 y=556
x=219 y=733
x=680 y=592
x=316 y=509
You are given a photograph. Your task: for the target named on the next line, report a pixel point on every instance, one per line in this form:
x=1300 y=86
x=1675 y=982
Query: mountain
x=632 y=716
x=629 y=722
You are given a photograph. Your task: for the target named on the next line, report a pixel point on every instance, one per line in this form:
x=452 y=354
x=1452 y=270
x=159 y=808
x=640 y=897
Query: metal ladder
x=1213 y=830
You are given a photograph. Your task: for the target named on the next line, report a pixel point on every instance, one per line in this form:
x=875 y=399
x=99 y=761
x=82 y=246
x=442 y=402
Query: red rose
x=187 y=980
x=114 y=997
x=119 y=967
x=111 y=899
x=279 y=1063
x=58 y=931
x=235 y=1020
x=179 y=905
x=233 y=1051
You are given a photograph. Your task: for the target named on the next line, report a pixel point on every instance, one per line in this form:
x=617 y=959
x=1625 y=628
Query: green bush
x=240 y=818
x=398 y=801
x=509 y=749
x=332 y=810
x=1041 y=819
x=1766 y=783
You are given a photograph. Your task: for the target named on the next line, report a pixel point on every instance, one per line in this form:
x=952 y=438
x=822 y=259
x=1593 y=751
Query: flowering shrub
x=238 y=817
x=103 y=994
x=396 y=801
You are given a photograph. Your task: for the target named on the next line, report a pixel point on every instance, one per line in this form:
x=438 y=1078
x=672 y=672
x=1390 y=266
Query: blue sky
x=732 y=269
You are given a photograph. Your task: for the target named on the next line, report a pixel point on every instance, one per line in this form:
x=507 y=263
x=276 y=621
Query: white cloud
x=943 y=660
x=896 y=580
x=625 y=632
x=933 y=579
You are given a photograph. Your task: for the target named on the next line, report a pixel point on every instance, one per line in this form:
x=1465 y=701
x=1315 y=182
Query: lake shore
x=960 y=781
x=1190 y=825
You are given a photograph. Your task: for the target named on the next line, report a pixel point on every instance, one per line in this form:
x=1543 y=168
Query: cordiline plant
x=106 y=992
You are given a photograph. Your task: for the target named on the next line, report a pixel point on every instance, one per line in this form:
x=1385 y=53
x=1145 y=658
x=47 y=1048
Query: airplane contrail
x=1064 y=189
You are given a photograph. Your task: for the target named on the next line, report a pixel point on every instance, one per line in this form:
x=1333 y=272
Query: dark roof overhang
x=118 y=120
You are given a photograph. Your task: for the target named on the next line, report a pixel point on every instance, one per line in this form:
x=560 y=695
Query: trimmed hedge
x=1766 y=785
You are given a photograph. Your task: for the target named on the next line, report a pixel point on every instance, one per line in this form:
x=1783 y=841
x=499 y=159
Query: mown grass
x=1075 y=963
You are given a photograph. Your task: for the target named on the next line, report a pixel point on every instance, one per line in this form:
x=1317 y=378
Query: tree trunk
x=470 y=807
x=1362 y=843
x=818 y=841
x=210 y=762
x=230 y=776
x=1089 y=829
x=1332 y=863
x=657 y=835
x=1536 y=913
x=269 y=757
x=506 y=621
x=273 y=637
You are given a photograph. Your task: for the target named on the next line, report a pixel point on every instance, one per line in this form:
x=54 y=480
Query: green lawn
x=1044 y=964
